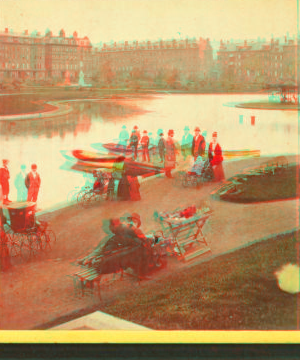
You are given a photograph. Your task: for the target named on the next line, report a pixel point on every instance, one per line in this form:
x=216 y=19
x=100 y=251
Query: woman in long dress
x=216 y=158
x=170 y=154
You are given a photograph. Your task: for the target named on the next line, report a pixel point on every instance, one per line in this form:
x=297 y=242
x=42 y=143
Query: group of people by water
x=167 y=149
x=27 y=184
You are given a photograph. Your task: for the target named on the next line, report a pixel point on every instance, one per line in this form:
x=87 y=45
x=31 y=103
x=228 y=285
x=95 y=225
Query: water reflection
x=41 y=140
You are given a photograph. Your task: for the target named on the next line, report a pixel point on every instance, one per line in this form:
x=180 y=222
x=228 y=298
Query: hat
x=137 y=218
x=197 y=128
x=145 y=132
x=214 y=134
x=150 y=133
x=186 y=128
x=5 y=161
x=23 y=167
x=171 y=132
x=159 y=131
x=124 y=127
x=33 y=166
x=135 y=127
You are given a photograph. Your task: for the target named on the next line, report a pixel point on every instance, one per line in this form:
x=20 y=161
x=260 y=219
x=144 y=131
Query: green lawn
x=268 y=187
x=232 y=292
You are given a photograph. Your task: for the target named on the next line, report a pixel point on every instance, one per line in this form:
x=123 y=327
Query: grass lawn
x=264 y=188
x=232 y=292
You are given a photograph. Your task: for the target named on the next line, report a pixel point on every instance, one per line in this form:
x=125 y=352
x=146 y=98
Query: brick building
x=188 y=58
x=257 y=61
x=38 y=57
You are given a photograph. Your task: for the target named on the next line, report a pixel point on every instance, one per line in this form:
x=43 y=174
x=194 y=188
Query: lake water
x=274 y=132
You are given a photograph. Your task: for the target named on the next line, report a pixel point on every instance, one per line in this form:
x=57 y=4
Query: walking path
x=41 y=291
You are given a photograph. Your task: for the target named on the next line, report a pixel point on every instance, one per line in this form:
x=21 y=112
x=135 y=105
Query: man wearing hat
x=198 y=145
x=137 y=131
x=186 y=143
x=20 y=184
x=145 y=146
x=124 y=136
x=134 y=142
x=161 y=146
x=170 y=156
x=4 y=181
x=33 y=182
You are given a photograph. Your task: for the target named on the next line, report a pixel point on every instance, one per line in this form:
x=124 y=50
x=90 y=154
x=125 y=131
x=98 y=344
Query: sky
x=120 y=20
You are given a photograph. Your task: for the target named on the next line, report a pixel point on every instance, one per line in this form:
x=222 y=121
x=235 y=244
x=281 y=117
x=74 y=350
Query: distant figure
x=4 y=181
x=156 y=140
x=138 y=133
x=134 y=142
x=186 y=143
x=198 y=145
x=124 y=136
x=33 y=182
x=162 y=147
x=22 y=191
x=216 y=158
x=145 y=146
x=204 y=134
x=170 y=155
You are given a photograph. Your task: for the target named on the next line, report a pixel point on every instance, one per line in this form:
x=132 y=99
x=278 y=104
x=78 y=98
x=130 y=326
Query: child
x=198 y=166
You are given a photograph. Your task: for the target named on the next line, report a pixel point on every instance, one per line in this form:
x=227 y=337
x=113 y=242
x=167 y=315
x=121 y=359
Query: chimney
x=6 y=30
x=245 y=42
x=26 y=32
x=285 y=39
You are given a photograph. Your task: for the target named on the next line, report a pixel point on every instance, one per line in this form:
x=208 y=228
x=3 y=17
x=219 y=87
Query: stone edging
x=60 y=109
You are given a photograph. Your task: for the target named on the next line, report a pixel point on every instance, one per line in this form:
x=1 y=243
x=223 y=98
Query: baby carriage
x=191 y=179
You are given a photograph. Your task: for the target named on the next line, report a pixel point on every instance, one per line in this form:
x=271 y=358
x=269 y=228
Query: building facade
x=149 y=59
x=258 y=61
x=37 y=57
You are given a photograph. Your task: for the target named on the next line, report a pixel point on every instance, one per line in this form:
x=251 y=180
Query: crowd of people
x=167 y=150
x=27 y=184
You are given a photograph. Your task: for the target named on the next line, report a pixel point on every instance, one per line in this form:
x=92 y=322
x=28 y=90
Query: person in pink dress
x=216 y=158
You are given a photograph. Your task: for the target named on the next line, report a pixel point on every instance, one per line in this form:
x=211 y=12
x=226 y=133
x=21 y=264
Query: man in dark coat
x=162 y=147
x=4 y=181
x=198 y=146
x=33 y=182
x=134 y=142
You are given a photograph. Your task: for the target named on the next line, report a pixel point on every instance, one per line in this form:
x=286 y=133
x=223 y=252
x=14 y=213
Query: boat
x=118 y=148
x=229 y=154
x=96 y=157
x=108 y=162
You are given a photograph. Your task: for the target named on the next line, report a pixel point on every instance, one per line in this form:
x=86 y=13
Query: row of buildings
x=40 y=57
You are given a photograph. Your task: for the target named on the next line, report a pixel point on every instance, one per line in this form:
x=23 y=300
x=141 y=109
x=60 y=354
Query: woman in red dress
x=215 y=158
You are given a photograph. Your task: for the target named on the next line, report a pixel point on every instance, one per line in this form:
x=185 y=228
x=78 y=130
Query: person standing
x=134 y=141
x=215 y=158
x=186 y=143
x=198 y=145
x=124 y=137
x=137 y=131
x=22 y=191
x=161 y=147
x=134 y=188
x=170 y=155
x=145 y=146
x=33 y=182
x=4 y=181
